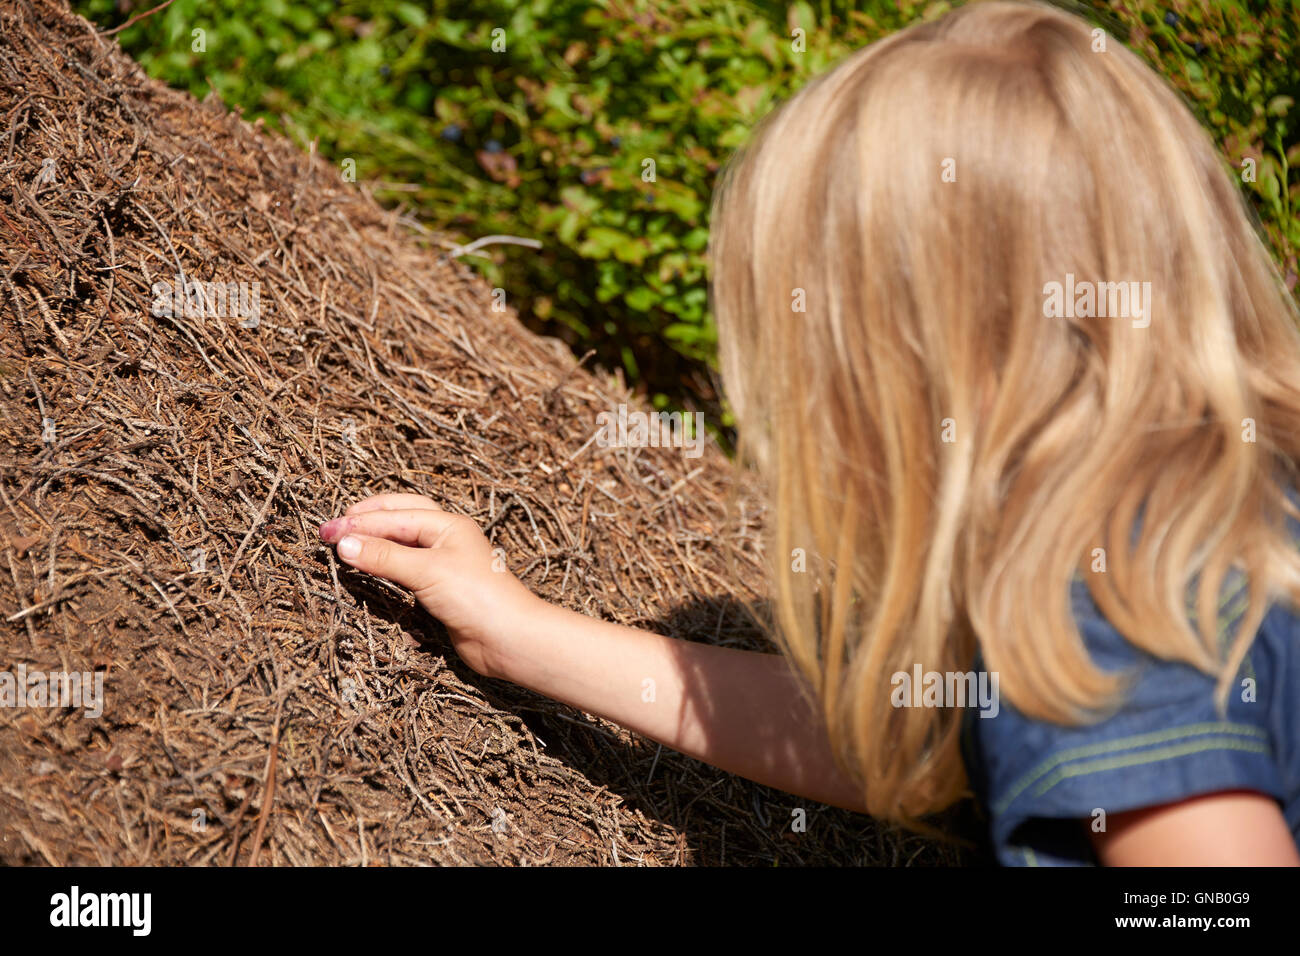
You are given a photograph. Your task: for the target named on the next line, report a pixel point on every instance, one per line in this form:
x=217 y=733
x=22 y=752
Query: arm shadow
x=723 y=819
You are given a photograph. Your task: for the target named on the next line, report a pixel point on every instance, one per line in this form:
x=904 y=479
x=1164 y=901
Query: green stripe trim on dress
x=1150 y=756
x=1126 y=743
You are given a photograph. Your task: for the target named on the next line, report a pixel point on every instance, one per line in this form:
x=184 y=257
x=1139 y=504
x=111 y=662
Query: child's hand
x=729 y=707
x=446 y=562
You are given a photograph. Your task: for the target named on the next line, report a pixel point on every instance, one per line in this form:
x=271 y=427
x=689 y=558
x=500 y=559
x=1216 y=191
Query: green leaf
x=641 y=298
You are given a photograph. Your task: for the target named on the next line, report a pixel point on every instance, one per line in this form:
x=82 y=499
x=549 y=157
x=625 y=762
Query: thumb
x=410 y=567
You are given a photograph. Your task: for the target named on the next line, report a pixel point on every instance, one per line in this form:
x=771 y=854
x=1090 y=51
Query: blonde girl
x=1036 y=426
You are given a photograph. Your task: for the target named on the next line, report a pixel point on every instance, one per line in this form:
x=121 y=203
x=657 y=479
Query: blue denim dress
x=1041 y=785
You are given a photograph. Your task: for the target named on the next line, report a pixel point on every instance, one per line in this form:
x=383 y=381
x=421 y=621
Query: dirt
x=162 y=478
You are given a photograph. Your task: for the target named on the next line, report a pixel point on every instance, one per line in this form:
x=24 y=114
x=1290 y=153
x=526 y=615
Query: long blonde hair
x=946 y=451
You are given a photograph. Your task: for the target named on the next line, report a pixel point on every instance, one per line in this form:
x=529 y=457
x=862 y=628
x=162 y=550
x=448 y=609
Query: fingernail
x=328 y=528
x=349 y=547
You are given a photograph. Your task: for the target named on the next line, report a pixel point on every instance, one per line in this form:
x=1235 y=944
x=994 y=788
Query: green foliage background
x=549 y=137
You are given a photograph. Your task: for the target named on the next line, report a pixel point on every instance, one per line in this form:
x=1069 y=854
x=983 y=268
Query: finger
x=412 y=568
x=393 y=503
x=415 y=528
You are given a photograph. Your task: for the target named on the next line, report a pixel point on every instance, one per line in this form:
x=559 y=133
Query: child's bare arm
x=1218 y=829
x=738 y=710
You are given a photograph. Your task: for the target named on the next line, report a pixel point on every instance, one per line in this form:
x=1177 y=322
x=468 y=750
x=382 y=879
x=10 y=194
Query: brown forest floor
x=313 y=715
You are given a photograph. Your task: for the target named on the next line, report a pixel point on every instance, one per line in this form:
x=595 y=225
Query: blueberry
x=1200 y=48
x=492 y=146
x=451 y=133
x=385 y=70
x=616 y=142
x=1171 y=19
x=649 y=197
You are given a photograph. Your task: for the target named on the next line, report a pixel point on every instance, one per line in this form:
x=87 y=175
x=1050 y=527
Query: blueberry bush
x=599 y=126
